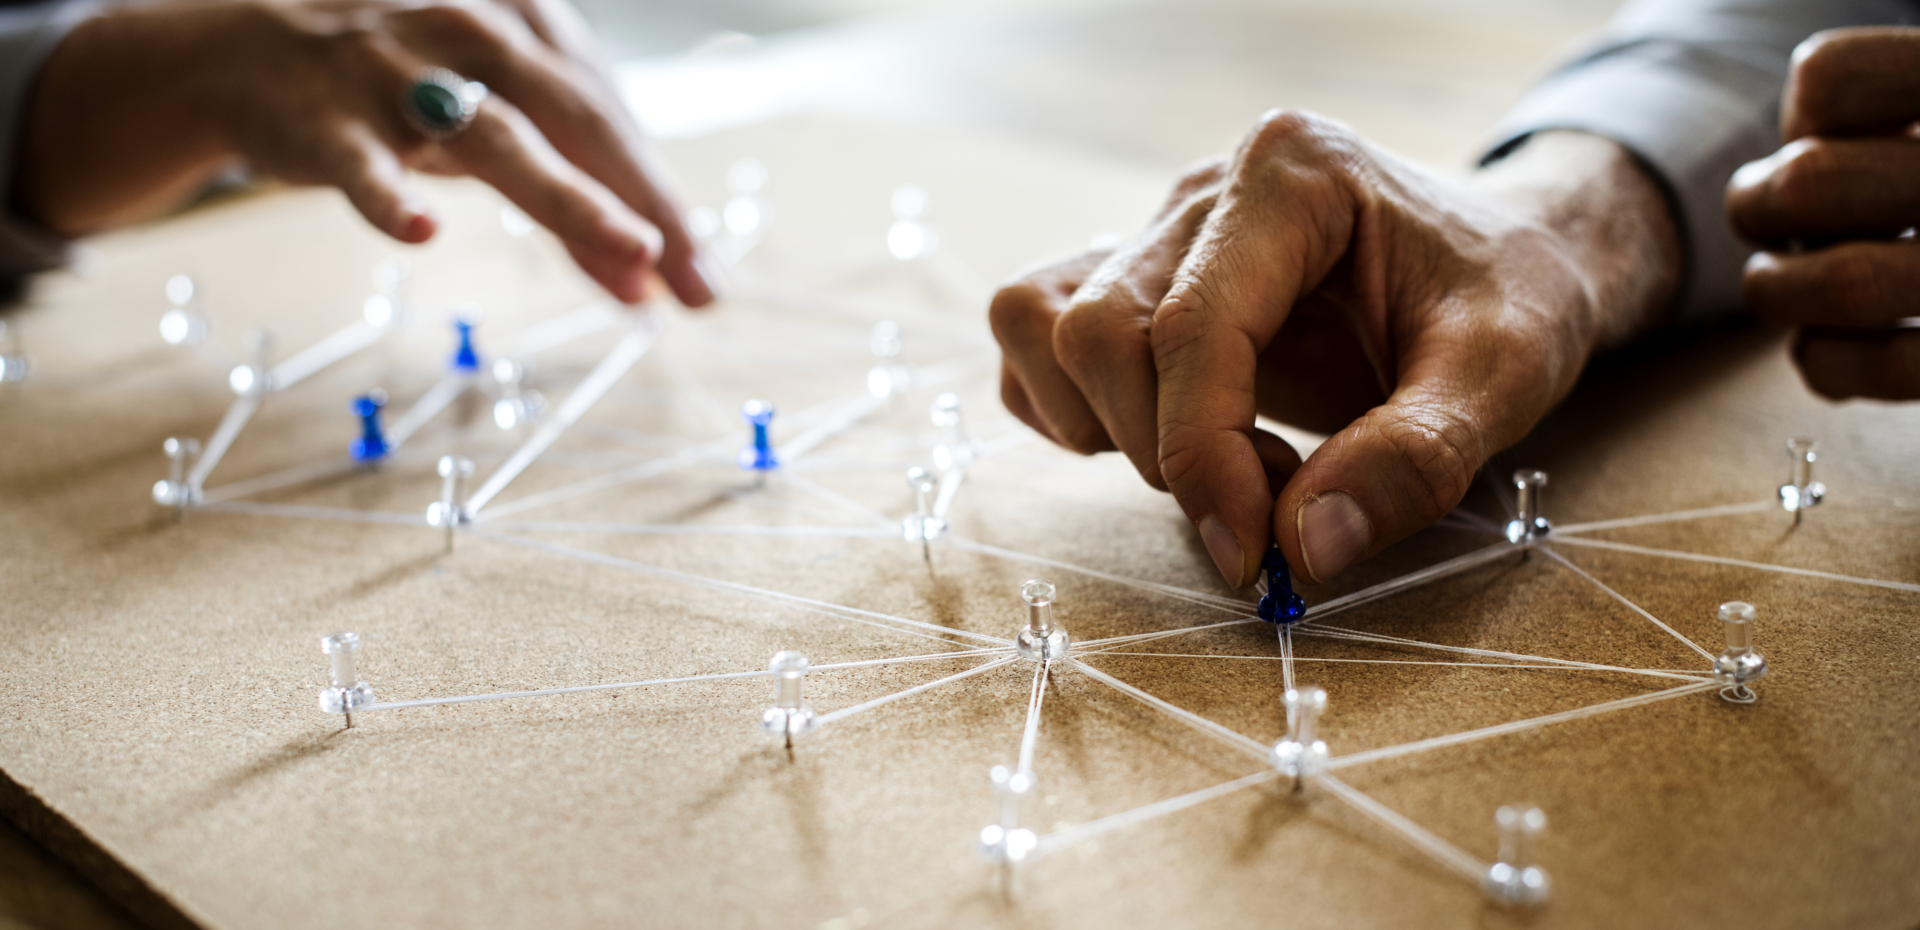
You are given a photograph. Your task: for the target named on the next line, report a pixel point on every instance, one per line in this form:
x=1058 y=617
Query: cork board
x=163 y=733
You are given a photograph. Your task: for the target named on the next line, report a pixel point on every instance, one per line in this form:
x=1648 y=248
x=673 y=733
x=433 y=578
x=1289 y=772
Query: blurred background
x=1162 y=82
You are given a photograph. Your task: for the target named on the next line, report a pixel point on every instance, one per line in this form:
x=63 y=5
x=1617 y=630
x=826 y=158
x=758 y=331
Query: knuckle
x=1441 y=450
x=1297 y=133
x=1852 y=284
x=1088 y=336
x=1816 y=60
x=1799 y=183
x=1014 y=310
x=465 y=24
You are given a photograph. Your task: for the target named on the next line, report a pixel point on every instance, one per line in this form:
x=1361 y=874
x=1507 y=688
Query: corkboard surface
x=162 y=731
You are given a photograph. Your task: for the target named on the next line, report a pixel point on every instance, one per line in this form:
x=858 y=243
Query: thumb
x=1409 y=461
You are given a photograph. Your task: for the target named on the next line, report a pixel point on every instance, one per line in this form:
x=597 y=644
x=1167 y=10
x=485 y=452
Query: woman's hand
x=1315 y=279
x=143 y=104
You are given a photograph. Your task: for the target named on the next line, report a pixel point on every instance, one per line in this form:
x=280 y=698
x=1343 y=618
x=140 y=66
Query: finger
x=1464 y=394
x=1023 y=315
x=1014 y=398
x=362 y=167
x=608 y=241
x=1853 y=284
x=1103 y=340
x=584 y=121
x=1281 y=222
x=1881 y=365
x=1828 y=187
x=1853 y=82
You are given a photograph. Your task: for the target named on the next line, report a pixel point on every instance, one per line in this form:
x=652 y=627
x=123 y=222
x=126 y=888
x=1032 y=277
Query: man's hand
x=1314 y=279
x=1835 y=211
x=144 y=103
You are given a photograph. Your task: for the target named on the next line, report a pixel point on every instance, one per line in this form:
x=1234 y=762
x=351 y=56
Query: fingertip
x=1334 y=532
x=1224 y=546
x=416 y=226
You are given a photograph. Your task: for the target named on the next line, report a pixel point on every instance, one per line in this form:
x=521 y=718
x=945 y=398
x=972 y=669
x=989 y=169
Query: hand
x=1314 y=279
x=1831 y=208
x=144 y=103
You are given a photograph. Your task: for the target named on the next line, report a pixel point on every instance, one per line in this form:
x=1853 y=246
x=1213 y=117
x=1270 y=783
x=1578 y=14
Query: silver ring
x=440 y=103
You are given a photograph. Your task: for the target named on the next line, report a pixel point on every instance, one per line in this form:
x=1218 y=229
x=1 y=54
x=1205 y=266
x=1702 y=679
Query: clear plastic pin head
x=1007 y=842
x=789 y=717
x=1041 y=639
x=175 y=491
x=922 y=526
x=1527 y=523
x=347 y=692
x=183 y=323
x=252 y=379
x=955 y=449
x=1302 y=753
x=1738 y=664
x=910 y=236
x=887 y=377
x=450 y=510
x=1514 y=880
x=1801 y=491
x=516 y=405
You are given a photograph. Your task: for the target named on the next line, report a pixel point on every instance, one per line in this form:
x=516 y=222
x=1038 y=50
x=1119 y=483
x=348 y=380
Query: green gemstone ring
x=440 y=103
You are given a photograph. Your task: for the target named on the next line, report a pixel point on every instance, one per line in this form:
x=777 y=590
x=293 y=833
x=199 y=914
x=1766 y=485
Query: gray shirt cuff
x=28 y=34
x=1693 y=133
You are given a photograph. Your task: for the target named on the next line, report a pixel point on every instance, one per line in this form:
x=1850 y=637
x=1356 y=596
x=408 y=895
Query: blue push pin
x=372 y=445
x=758 y=456
x=465 y=360
x=1280 y=604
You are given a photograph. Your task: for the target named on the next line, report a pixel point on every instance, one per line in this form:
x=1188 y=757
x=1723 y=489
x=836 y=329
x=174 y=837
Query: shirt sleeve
x=1693 y=88
x=27 y=35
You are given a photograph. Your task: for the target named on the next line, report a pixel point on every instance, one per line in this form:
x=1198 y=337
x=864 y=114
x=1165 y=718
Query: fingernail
x=1224 y=548
x=1334 y=534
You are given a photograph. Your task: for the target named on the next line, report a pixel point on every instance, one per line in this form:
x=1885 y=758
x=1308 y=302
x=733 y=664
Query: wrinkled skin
x=1834 y=211
x=1312 y=278
x=311 y=93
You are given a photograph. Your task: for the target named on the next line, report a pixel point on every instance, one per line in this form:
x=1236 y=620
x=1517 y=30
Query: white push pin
x=174 y=491
x=1302 y=753
x=910 y=236
x=450 y=510
x=1738 y=663
x=955 y=449
x=1007 y=842
x=348 y=691
x=922 y=526
x=1801 y=491
x=251 y=379
x=1527 y=523
x=1040 y=639
x=789 y=716
x=387 y=304
x=1514 y=879
x=887 y=377
x=183 y=324
x=516 y=405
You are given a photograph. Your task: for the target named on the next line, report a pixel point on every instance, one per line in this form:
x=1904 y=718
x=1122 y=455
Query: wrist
x=1611 y=218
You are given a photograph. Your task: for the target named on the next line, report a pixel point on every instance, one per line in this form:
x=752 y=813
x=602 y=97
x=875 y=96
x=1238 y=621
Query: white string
x=949 y=487
x=1557 y=557
x=716 y=450
x=849 y=413
x=318 y=513
x=695 y=529
x=223 y=436
x=616 y=363
x=308 y=361
x=1250 y=746
x=1205 y=600
x=841 y=501
x=431 y=403
x=1670 y=673
x=791 y=600
x=1721 y=511
x=1381 y=639
x=1137 y=638
x=1053 y=842
x=1741 y=563
x=1426 y=575
x=846 y=712
x=1404 y=749
x=1286 y=655
x=1032 y=734
x=1443 y=852
x=298 y=474
x=722 y=676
